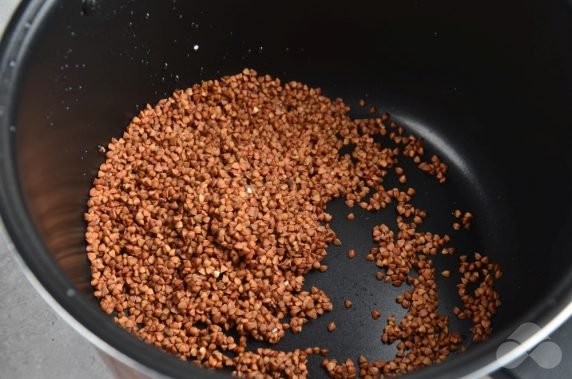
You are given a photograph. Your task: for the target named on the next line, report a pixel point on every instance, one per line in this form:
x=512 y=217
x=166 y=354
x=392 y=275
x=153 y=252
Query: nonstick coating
x=486 y=84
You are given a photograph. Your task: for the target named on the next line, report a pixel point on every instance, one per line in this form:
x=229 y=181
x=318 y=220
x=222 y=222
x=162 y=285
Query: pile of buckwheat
x=210 y=209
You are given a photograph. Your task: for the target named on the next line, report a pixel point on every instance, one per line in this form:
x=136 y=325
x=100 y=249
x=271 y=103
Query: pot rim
x=18 y=233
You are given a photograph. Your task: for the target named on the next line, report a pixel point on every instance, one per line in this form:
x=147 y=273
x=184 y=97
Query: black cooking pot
x=487 y=84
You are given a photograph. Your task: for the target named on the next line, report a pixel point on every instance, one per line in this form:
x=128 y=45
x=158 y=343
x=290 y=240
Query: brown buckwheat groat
x=210 y=209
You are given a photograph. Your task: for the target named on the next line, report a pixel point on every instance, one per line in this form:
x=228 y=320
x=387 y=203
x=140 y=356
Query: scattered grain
x=480 y=304
x=343 y=370
x=210 y=209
